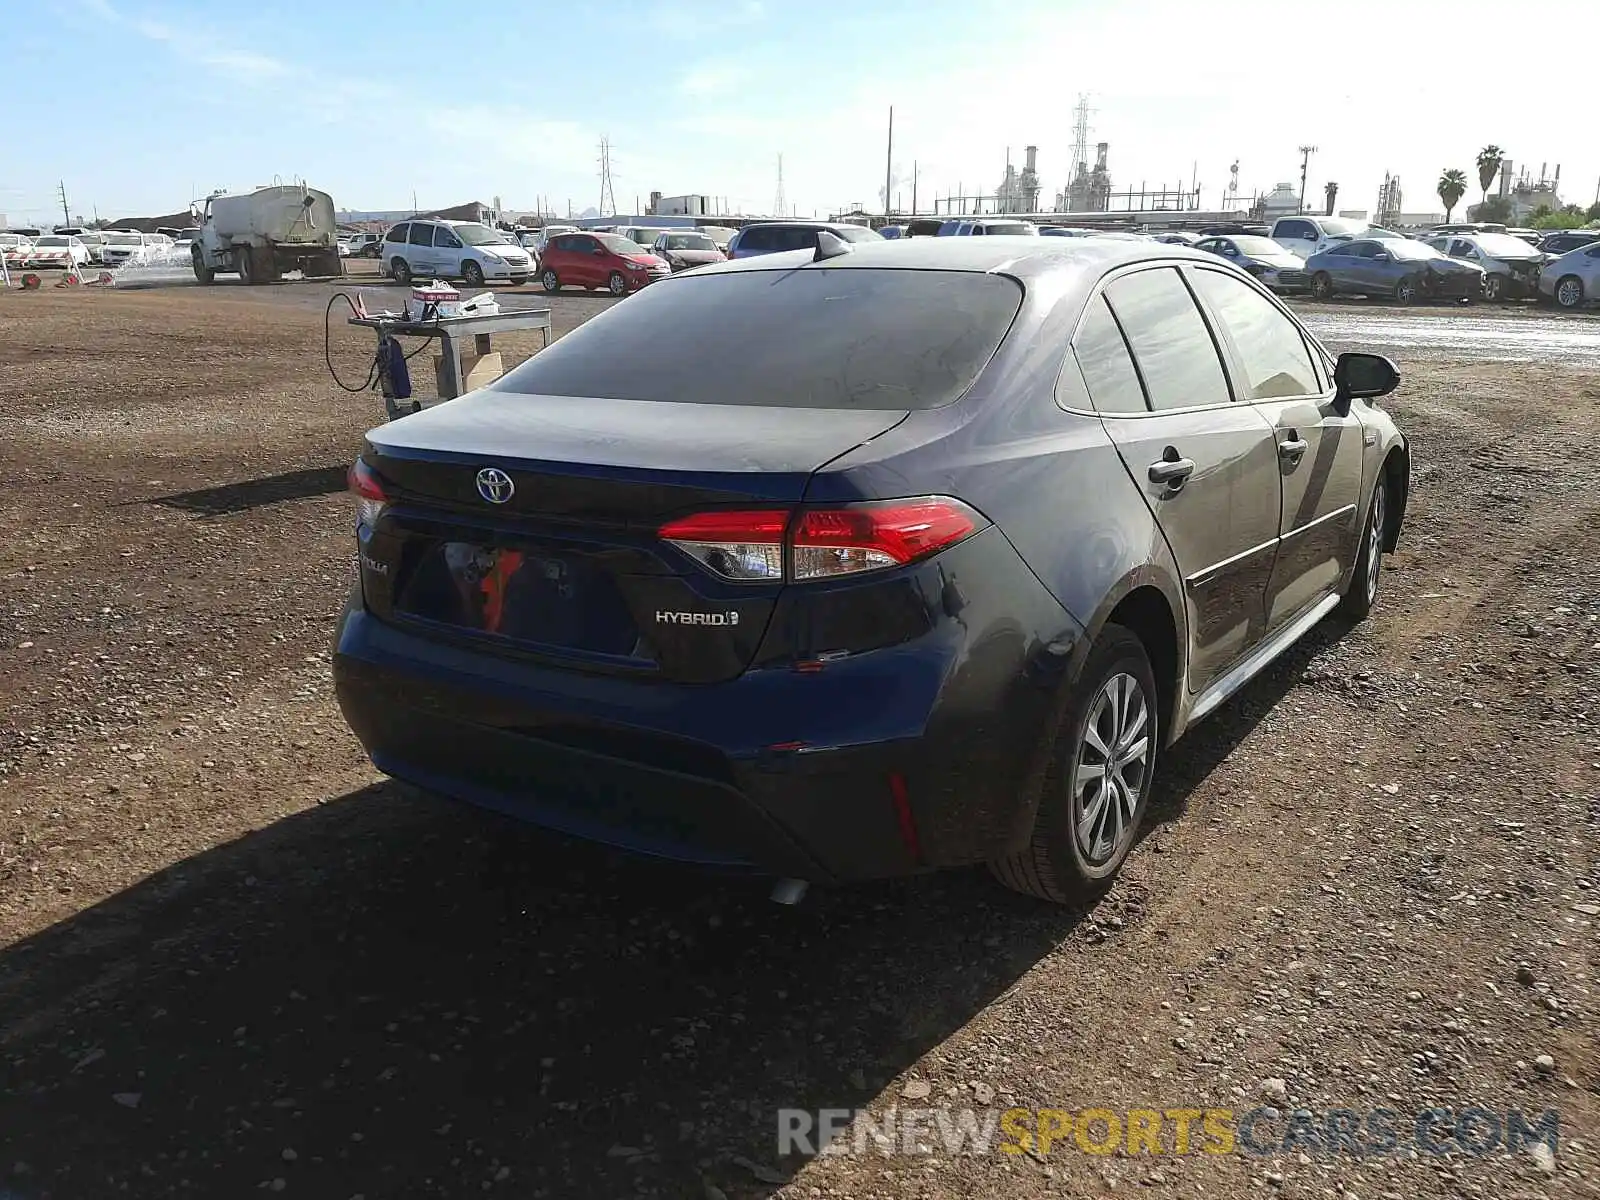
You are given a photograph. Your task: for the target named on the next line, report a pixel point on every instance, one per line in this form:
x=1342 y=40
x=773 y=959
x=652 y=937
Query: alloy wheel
x=550 y=280
x=1569 y=293
x=1112 y=765
x=1375 y=545
x=1321 y=286
x=617 y=284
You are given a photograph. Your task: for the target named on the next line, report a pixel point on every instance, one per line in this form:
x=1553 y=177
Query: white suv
x=1310 y=233
x=463 y=250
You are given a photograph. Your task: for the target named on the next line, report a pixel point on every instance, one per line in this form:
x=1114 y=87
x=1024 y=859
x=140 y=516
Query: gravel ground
x=238 y=959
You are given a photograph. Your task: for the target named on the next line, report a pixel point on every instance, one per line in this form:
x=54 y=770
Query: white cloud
x=194 y=45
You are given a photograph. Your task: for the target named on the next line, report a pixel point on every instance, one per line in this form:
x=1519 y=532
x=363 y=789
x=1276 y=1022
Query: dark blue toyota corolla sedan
x=866 y=560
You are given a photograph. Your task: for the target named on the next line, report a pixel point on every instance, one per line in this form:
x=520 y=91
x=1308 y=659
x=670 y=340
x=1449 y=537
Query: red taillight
x=842 y=541
x=820 y=543
x=743 y=546
x=371 y=499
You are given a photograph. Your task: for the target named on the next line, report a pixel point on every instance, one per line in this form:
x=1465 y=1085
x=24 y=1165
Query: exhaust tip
x=789 y=891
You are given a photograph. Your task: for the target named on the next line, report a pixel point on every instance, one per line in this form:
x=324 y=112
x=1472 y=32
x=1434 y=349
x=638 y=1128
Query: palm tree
x=1489 y=160
x=1452 y=186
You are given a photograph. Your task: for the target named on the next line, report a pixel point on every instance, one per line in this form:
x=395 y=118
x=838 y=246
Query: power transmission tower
x=608 y=197
x=66 y=217
x=779 y=202
x=1305 y=163
x=1080 y=137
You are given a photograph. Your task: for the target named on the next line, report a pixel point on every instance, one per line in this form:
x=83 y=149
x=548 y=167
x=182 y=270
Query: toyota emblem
x=495 y=486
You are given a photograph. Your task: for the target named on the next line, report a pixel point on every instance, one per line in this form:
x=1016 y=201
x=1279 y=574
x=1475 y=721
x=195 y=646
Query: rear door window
x=1102 y=357
x=854 y=338
x=398 y=233
x=757 y=237
x=1171 y=344
x=421 y=234
x=1268 y=350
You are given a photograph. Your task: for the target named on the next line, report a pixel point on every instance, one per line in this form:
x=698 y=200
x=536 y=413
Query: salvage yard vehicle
x=774 y=237
x=265 y=233
x=1572 y=280
x=868 y=560
x=14 y=248
x=1403 y=269
x=1308 y=234
x=988 y=226
x=599 y=260
x=56 y=250
x=1511 y=266
x=119 y=248
x=1269 y=262
x=466 y=250
x=1563 y=241
x=685 y=248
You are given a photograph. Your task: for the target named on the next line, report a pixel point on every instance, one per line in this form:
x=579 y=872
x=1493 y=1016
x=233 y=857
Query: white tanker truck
x=266 y=232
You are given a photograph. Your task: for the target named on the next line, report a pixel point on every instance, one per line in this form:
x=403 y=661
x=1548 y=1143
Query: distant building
x=681 y=206
x=1280 y=201
x=1090 y=189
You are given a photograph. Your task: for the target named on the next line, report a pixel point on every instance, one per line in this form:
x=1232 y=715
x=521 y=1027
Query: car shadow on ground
x=390 y=995
x=254 y=493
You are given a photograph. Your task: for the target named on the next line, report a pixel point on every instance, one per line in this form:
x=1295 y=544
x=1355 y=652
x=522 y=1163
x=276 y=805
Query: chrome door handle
x=1293 y=448
x=1171 y=471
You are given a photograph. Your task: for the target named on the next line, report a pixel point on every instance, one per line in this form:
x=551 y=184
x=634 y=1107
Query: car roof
x=1020 y=256
x=803 y=225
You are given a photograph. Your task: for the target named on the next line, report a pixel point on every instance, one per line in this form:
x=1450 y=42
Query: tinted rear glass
x=828 y=338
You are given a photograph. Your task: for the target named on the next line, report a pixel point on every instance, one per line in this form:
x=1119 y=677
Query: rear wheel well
x=1396 y=479
x=1145 y=613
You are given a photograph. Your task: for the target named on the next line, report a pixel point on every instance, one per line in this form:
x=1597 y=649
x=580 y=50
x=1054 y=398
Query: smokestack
x=1031 y=159
x=1505 y=177
x=1100 y=149
x=1555 y=184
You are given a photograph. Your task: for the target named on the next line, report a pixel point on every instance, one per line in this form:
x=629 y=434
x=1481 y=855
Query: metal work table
x=452 y=332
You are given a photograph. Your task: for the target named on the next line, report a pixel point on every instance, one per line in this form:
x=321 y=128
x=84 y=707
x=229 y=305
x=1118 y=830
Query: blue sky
x=140 y=104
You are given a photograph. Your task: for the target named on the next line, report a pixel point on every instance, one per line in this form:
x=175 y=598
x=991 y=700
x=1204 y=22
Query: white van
x=1310 y=233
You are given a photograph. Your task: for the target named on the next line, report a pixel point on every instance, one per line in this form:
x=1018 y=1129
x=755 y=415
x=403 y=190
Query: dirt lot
x=237 y=959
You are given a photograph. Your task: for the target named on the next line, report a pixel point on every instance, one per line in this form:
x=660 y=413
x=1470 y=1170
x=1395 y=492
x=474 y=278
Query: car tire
x=1494 y=288
x=617 y=285
x=1362 y=591
x=1569 y=292
x=202 y=273
x=400 y=269
x=1406 y=291
x=472 y=274
x=1322 y=286
x=1112 y=708
x=550 y=280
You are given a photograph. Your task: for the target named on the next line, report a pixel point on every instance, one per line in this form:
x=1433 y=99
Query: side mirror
x=1382 y=256
x=598 y=251
x=1358 y=376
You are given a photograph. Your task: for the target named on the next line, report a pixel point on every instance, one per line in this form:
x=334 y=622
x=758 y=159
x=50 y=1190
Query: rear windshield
x=815 y=338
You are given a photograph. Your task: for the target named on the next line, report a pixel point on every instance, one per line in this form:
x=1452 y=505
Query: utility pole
x=913 y=187
x=888 y=164
x=66 y=217
x=1305 y=163
x=779 y=202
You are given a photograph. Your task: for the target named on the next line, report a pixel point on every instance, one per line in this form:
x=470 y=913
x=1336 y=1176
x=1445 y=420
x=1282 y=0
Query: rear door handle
x=1171 y=471
x=1293 y=447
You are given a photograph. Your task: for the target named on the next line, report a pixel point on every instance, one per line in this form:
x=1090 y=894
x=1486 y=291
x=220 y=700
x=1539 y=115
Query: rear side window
x=1103 y=358
x=853 y=338
x=421 y=235
x=757 y=237
x=397 y=234
x=1171 y=344
x=1270 y=351
x=792 y=237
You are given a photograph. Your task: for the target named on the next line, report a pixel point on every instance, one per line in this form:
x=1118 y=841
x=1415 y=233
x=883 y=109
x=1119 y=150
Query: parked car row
x=71 y=246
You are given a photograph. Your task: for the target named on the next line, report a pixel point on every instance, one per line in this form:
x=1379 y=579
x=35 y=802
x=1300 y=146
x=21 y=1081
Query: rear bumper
x=921 y=755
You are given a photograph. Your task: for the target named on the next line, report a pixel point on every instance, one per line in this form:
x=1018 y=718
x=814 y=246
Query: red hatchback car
x=598 y=260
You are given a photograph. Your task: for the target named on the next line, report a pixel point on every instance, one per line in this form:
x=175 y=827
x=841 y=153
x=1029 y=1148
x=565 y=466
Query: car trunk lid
x=530 y=523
